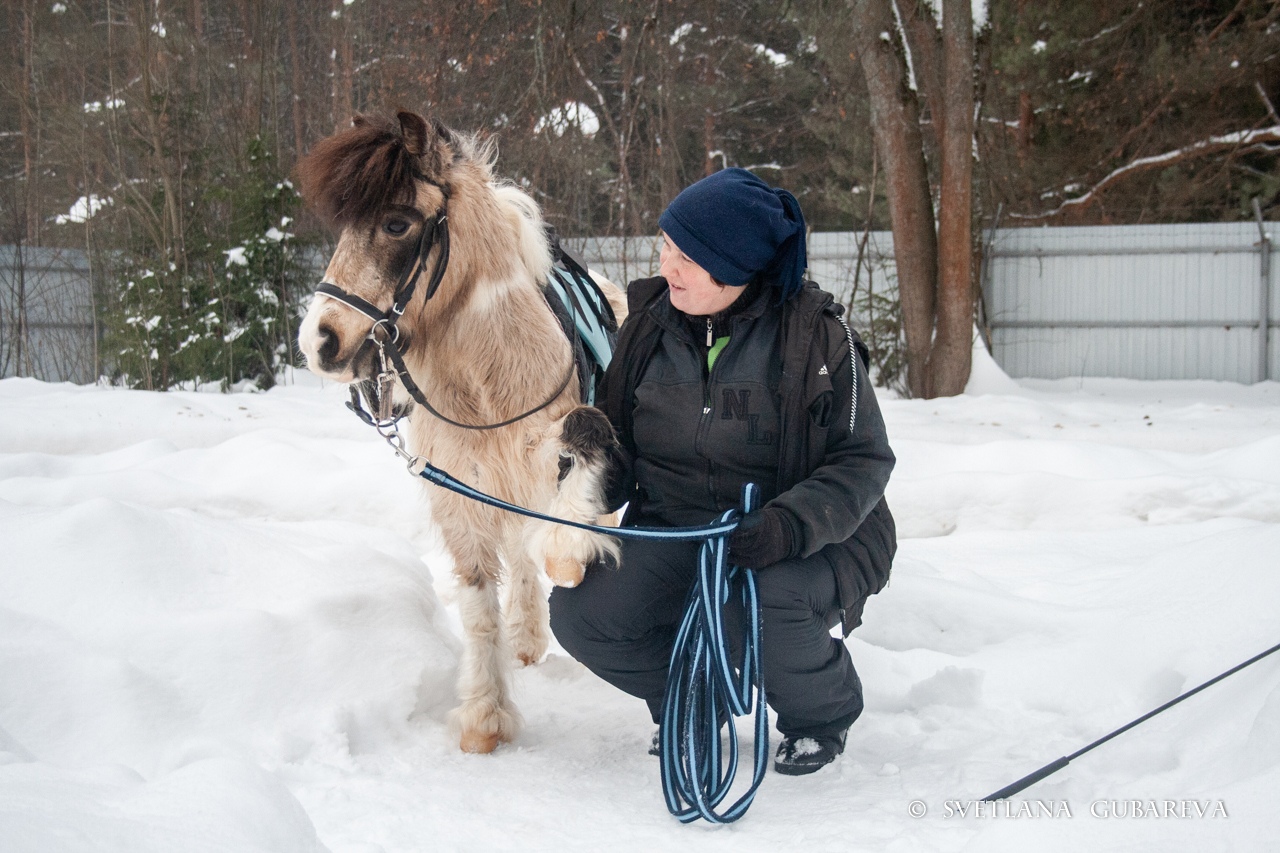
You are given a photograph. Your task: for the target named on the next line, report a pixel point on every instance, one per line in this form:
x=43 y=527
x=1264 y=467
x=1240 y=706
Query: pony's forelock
x=352 y=176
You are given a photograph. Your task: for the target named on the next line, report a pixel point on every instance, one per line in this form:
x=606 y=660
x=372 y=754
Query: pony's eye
x=396 y=226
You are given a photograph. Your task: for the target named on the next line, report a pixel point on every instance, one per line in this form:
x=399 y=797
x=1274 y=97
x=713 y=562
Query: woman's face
x=693 y=291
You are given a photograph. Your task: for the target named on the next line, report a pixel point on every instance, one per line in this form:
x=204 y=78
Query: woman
x=731 y=368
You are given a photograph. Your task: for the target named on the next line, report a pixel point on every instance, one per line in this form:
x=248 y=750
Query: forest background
x=158 y=136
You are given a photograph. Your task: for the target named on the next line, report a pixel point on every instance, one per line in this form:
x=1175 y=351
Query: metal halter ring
x=384 y=323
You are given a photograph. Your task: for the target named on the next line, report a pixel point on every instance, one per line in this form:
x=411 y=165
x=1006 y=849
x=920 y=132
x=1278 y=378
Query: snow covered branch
x=1238 y=140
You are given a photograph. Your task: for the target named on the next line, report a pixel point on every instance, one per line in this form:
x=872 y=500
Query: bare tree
x=934 y=255
x=1101 y=111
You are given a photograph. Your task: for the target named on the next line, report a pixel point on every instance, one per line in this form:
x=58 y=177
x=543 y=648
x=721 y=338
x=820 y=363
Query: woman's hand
x=763 y=538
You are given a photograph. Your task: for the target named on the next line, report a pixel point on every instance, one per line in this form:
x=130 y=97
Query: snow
x=570 y=114
x=99 y=106
x=978 y=9
x=778 y=59
x=84 y=208
x=980 y=15
x=226 y=625
x=807 y=746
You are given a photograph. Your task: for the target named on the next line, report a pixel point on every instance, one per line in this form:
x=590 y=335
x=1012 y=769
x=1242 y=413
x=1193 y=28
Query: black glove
x=763 y=538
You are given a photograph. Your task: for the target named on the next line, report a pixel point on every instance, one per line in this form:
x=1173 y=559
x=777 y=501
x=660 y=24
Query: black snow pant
x=621 y=623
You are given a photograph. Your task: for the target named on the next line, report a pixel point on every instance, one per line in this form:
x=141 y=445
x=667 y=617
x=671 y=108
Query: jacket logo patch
x=823 y=371
x=736 y=406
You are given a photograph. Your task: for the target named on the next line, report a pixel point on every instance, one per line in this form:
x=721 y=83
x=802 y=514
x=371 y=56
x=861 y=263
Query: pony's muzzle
x=327 y=351
x=336 y=352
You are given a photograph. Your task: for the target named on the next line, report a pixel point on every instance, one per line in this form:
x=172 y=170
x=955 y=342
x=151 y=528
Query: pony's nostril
x=328 y=349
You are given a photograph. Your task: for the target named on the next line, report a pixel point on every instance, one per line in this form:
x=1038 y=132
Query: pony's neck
x=492 y=343
x=507 y=326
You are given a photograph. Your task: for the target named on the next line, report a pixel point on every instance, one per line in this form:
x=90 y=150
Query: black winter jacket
x=830 y=477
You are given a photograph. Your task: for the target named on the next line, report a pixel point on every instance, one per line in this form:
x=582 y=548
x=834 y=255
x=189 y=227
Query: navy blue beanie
x=735 y=226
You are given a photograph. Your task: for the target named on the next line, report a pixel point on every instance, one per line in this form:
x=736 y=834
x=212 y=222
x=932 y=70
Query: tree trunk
x=341 y=65
x=295 y=70
x=921 y=31
x=28 y=129
x=950 y=360
x=896 y=127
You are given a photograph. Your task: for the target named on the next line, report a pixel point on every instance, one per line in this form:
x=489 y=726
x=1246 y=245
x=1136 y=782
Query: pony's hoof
x=478 y=743
x=529 y=647
x=566 y=573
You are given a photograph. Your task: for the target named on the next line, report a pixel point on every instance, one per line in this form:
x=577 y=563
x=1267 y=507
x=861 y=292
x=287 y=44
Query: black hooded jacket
x=827 y=457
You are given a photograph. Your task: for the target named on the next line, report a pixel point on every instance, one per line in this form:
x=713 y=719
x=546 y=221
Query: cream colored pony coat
x=483 y=349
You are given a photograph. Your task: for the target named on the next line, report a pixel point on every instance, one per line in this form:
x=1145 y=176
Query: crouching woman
x=731 y=368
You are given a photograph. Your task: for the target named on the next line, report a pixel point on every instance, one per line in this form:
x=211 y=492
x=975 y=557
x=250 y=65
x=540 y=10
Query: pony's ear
x=413 y=128
x=431 y=149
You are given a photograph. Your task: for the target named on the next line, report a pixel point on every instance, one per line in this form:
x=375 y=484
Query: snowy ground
x=225 y=625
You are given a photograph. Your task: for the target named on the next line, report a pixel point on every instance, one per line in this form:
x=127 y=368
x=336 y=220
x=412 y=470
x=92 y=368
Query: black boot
x=801 y=754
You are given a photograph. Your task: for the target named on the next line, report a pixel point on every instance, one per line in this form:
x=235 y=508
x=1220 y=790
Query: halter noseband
x=378 y=395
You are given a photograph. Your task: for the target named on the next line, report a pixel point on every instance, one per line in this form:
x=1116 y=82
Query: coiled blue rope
x=703 y=685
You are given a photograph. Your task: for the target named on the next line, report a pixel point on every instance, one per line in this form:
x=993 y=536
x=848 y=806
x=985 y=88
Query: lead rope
x=703 y=684
x=706 y=690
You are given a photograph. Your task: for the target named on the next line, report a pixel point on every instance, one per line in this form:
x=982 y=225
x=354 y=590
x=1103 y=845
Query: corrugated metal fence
x=47 y=315
x=837 y=260
x=1146 y=302
x=1143 y=301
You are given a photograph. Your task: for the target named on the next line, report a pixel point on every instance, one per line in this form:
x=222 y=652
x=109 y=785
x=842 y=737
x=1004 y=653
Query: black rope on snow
x=1054 y=766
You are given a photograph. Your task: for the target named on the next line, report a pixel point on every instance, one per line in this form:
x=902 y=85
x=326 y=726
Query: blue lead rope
x=446 y=480
x=703 y=685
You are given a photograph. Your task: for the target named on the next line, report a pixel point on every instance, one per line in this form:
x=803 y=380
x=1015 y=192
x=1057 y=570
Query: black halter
x=435 y=229
x=385 y=334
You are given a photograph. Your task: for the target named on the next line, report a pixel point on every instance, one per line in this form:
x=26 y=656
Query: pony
x=486 y=375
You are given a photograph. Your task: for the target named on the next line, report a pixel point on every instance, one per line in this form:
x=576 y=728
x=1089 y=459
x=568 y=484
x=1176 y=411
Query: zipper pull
x=710 y=341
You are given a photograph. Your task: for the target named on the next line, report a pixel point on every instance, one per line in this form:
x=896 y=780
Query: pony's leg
x=526 y=614
x=485 y=716
x=580 y=452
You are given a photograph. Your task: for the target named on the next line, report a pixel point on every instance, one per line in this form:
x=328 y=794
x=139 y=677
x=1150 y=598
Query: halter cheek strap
x=435 y=231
